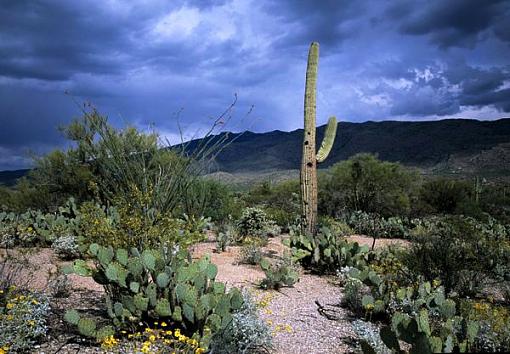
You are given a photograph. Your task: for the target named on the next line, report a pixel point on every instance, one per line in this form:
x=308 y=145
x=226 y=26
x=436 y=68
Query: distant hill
x=422 y=144
x=9 y=178
x=451 y=146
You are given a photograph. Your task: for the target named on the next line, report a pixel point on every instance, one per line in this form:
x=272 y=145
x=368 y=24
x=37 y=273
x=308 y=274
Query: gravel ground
x=291 y=313
x=297 y=323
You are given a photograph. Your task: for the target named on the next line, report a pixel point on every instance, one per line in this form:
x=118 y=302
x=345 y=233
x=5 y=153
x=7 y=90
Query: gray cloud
x=140 y=62
x=452 y=23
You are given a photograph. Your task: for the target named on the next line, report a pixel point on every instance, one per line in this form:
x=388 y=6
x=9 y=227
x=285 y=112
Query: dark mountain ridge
x=425 y=144
x=422 y=144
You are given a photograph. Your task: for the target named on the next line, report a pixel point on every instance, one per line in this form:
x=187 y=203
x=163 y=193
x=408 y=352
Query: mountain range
x=451 y=146
x=430 y=145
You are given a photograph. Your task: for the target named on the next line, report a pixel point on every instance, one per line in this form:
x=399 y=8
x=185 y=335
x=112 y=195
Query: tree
x=365 y=183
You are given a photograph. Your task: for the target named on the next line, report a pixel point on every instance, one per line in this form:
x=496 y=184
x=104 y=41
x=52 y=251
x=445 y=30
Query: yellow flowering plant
x=22 y=319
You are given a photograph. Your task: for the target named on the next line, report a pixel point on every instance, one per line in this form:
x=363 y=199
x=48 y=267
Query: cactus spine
x=310 y=159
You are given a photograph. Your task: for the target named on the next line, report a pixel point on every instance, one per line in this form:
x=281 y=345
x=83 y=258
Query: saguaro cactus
x=310 y=159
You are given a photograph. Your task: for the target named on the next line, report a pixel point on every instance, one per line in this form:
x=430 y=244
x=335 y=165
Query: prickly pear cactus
x=157 y=285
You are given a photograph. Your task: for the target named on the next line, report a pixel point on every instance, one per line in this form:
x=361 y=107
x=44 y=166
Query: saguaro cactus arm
x=328 y=141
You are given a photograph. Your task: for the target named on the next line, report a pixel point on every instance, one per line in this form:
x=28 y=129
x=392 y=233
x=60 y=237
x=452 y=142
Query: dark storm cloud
x=141 y=61
x=330 y=21
x=52 y=40
x=499 y=99
x=454 y=22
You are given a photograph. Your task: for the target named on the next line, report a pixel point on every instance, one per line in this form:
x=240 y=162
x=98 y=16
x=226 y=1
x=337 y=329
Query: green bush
x=250 y=253
x=337 y=227
x=365 y=183
x=445 y=196
x=280 y=201
x=353 y=294
x=210 y=199
x=157 y=285
x=462 y=252
x=121 y=226
x=254 y=223
x=493 y=319
x=23 y=317
x=379 y=227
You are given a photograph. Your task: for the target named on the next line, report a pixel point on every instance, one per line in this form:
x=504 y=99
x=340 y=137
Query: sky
x=155 y=63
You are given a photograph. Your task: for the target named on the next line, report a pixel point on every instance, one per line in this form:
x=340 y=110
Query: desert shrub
x=369 y=334
x=353 y=293
x=445 y=196
x=462 y=252
x=325 y=253
x=246 y=334
x=66 y=247
x=281 y=273
x=365 y=183
x=157 y=285
x=280 y=201
x=376 y=226
x=121 y=226
x=337 y=227
x=494 y=332
x=23 y=318
x=7 y=230
x=363 y=223
x=250 y=253
x=282 y=218
x=495 y=200
x=209 y=198
x=254 y=223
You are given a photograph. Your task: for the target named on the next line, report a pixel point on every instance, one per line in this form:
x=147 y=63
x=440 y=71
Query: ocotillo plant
x=310 y=159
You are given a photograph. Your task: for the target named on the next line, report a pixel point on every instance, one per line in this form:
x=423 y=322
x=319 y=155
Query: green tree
x=368 y=184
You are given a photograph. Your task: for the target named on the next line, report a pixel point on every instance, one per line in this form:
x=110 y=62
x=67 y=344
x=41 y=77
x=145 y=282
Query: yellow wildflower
x=163 y=324
x=9 y=306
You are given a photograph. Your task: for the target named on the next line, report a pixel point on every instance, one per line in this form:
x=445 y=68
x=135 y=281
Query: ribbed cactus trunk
x=308 y=175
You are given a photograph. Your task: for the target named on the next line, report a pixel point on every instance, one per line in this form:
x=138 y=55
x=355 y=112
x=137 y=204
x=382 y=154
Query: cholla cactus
x=310 y=158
